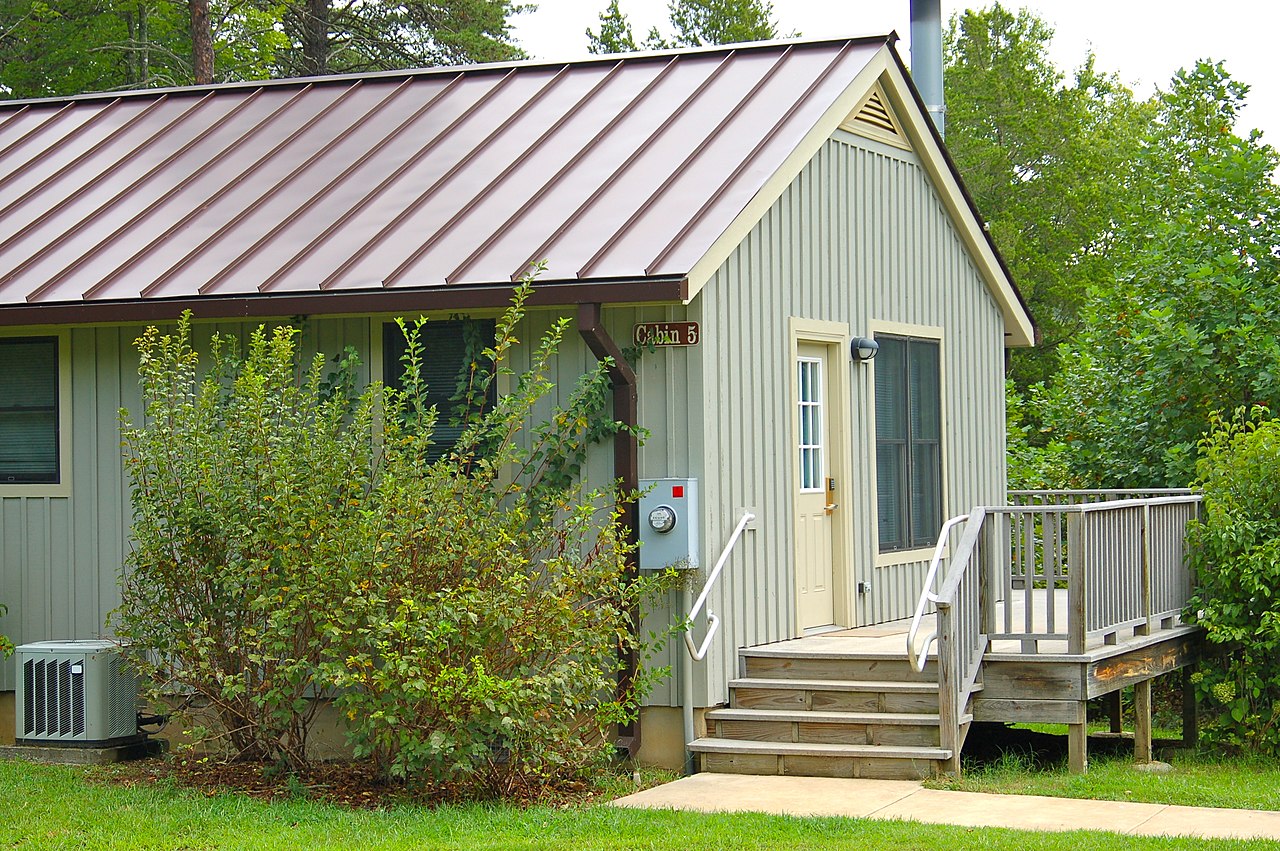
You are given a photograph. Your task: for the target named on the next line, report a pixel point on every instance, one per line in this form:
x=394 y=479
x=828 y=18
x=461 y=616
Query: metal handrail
x=927 y=596
x=699 y=652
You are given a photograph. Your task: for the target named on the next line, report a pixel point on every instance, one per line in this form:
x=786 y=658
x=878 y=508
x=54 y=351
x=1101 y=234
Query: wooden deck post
x=1145 y=572
x=1076 y=559
x=997 y=562
x=1115 y=711
x=1142 y=721
x=1078 y=748
x=1190 y=730
x=948 y=688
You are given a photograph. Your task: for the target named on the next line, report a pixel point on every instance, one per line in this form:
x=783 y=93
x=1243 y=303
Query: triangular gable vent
x=874 y=119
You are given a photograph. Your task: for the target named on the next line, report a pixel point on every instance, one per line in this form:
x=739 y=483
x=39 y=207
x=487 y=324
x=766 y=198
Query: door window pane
x=809 y=402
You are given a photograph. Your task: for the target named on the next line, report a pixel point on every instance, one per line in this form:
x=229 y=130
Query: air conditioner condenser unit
x=75 y=693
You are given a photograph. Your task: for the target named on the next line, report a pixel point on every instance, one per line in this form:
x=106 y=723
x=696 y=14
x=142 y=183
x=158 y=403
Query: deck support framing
x=1021 y=688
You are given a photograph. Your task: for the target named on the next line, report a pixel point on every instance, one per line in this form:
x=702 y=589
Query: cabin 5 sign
x=665 y=334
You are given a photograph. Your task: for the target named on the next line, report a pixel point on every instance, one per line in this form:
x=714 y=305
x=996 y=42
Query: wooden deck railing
x=1121 y=562
x=1069 y=566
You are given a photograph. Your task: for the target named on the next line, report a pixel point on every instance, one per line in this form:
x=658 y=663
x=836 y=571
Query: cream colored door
x=814 y=487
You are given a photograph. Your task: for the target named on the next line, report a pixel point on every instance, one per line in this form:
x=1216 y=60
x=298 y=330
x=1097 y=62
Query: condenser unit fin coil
x=75 y=693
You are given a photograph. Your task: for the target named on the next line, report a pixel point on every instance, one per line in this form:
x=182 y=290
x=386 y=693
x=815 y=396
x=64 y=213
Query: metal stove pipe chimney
x=926 y=57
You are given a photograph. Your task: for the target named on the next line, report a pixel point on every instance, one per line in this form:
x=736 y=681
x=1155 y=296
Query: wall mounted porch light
x=863 y=349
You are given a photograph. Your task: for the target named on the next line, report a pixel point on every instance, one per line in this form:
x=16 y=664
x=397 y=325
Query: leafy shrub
x=294 y=539
x=1236 y=557
x=248 y=486
x=479 y=642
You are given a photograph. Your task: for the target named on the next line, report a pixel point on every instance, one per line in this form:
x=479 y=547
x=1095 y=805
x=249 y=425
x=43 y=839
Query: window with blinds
x=29 y=410
x=908 y=406
x=449 y=349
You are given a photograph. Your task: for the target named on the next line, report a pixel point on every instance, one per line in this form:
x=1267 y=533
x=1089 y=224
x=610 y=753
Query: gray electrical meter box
x=668 y=523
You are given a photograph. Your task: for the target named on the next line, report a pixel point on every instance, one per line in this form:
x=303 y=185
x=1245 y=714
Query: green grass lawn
x=58 y=807
x=1197 y=780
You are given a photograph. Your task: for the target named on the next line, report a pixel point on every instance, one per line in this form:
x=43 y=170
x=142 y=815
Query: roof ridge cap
x=447 y=70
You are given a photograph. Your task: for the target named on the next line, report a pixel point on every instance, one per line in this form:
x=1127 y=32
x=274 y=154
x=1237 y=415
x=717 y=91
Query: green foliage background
x=693 y=23
x=64 y=47
x=1236 y=558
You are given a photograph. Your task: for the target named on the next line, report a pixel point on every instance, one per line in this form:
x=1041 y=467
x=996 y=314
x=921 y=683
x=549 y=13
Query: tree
x=64 y=47
x=1044 y=158
x=342 y=36
x=615 y=34
x=1190 y=322
x=52 y=48
x=694 y=23
x=1235 y=554
x=699 y=22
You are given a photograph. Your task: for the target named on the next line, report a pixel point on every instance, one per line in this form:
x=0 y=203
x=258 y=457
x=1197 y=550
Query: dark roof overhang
x=405 y=300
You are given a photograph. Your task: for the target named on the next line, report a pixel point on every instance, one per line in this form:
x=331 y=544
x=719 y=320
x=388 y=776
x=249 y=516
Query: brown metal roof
x=620 y=172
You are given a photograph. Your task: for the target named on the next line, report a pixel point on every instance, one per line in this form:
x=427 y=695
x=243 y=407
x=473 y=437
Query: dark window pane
x=926 y=494
x=28 y=446
x=890 y=366
x=890 y=477
x=908 y=408
x=925 y=414
x=29 y=410
x=450 y=348
x=29 y=373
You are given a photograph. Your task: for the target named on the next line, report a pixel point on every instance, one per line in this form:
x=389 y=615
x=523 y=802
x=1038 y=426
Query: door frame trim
x=834 y=337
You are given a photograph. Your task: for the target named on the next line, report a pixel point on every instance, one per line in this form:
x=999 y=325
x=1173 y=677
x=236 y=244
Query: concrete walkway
x=910 y=801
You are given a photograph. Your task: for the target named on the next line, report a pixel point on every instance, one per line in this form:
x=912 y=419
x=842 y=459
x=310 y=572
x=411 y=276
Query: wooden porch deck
x=1041 y=684
x=1042 y=607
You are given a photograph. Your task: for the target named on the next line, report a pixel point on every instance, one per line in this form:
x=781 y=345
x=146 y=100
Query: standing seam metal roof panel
x=618 y=168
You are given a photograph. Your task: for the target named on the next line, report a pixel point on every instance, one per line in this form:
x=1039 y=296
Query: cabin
x=821 y=321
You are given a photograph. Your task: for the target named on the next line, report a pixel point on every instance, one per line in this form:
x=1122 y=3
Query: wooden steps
x=826 y=714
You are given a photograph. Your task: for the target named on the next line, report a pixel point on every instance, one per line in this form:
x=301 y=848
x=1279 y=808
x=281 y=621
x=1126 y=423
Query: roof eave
x=407 y=300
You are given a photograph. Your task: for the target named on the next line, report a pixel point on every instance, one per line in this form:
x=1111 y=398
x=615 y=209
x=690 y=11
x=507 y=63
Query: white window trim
x=924 y=332
x=63 y=486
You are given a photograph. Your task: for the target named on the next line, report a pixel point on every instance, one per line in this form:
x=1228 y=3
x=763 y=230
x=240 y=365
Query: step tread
x=730 y=746
x=824 y=716
x=835 y=653
x=901 y=686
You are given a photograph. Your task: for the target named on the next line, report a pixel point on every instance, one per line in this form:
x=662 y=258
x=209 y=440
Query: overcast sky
x=1144 y=41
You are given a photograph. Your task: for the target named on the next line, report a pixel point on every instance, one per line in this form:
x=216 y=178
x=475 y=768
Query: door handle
x=830 y=507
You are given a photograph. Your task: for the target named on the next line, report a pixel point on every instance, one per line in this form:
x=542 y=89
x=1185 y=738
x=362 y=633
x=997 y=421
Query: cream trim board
x=835 y=337
x=924 y=332
x=816 y=331
x=883 y=71
x=63 y=487
x=901 y=557
x=755 y=209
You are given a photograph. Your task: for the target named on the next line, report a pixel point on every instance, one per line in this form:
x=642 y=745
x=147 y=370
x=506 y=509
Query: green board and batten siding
x=60 y=557
x=859 y=236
